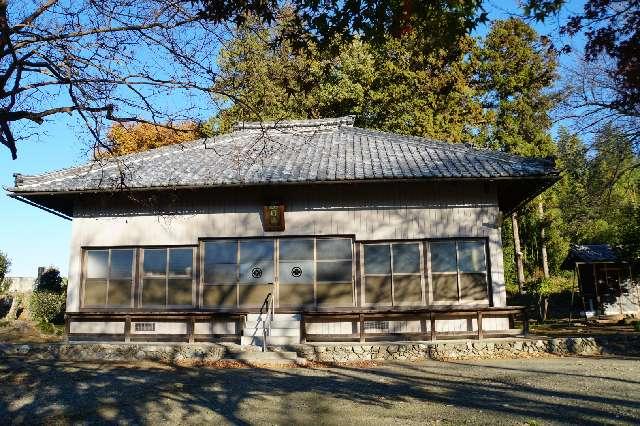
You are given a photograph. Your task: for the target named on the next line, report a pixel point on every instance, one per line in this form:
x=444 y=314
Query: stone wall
x=623 y=344
x=123 y=352
x=628 y=345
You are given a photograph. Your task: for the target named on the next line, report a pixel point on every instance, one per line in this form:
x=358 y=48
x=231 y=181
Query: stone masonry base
x=625 y=345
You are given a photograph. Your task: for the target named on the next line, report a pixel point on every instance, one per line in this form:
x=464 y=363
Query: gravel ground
x=536 y=391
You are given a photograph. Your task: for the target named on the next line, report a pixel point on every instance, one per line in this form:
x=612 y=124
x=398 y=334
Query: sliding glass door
x=303 y=271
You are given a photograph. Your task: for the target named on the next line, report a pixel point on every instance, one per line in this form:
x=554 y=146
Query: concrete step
x=274 y=332
x=276 y=317
x=271 y=340
x=262 y=356
x=274 y=324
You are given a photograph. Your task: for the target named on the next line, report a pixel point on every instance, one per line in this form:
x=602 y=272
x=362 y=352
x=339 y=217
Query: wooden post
x=303 y=330
x=423 y=328
x=67 y=328
x=127 y=329
x=479 y=325
x=191 y=329
x=525 y=322
x=433 y=326
x=361 y=321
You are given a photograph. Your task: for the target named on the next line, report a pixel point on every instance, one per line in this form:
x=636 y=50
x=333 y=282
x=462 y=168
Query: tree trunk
x=516 y=243
x=543 y=245
x=13 y=311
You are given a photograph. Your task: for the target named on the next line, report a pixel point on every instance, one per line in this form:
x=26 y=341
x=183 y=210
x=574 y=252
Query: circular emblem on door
x=296 y=271
x=256 y=272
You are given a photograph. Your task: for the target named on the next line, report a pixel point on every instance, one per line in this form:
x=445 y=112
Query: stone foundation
x=625 y=345
x=628 y=345
x=123 y=352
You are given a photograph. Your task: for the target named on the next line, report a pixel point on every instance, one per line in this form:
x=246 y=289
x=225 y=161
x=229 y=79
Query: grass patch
x=48 y=328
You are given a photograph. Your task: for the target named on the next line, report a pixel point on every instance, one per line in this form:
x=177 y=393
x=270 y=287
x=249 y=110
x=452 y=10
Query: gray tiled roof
x=329 y=150
x=592 y=253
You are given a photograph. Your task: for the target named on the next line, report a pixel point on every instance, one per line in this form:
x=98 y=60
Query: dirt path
x=544 y=391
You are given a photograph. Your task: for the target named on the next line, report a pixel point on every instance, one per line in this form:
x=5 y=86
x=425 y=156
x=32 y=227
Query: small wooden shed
x=605 y=281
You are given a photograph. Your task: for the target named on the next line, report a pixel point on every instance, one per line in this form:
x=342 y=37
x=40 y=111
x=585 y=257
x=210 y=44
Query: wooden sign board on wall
x=273 y=218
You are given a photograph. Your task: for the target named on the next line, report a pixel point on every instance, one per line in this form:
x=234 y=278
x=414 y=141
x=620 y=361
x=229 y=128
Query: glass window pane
x=154 y=292
x=471 y=256
x=121 y=264
x=406 y=258
x=296 y=249
x=377 y=290
x=473 y=286
x=119 y=293
x=256 y=250
x=253 y=294
x=219 y=295
x=155 y=262
x=407 y=290
x=333 y=248
x=180 y=291
x=296 y=272
x=377 y=259
x=257 y=272
x=334 y=294
x=95 y=291
x=97 y=263
x=180 y=261
x=220 y=273
x=336 y=271
x=445 y=287
x=443 y=256
x=220 y=252
x=296 y=294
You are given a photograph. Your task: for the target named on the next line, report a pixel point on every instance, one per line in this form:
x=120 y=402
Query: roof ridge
x=322 y=123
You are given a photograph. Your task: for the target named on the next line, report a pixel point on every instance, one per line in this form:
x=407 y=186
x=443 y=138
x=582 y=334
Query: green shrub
x=636 y=325
x=5 y=264
x=50 y=281
x=46 y=306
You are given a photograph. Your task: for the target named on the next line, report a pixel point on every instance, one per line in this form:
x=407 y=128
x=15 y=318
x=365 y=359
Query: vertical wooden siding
x=368 y=212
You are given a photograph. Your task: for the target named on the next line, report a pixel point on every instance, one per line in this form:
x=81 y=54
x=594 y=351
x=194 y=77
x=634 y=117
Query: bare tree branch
x=105 y=61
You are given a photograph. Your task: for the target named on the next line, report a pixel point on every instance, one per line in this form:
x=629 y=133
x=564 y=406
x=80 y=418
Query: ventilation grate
x=145 y=326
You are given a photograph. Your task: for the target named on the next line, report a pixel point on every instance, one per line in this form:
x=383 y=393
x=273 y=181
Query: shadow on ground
x=64 y=392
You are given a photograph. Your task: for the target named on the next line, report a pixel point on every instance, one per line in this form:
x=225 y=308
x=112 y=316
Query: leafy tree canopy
x=599 y=192
x=130 y=137
x=322 y=22
x=5 y=264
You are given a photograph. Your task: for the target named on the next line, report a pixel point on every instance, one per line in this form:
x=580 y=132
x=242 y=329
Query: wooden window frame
x=167 y=277
x=316 y=261
x=486 y=272
x=392 y=274
x=85 y=255
x=277 y=282
x=201 y=279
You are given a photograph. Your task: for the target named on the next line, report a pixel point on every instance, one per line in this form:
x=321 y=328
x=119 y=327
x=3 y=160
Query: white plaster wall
x=215 y=327
x=370 y=213
x=96 y=327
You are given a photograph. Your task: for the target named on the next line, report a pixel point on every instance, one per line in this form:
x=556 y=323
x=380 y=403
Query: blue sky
x=32 y=237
